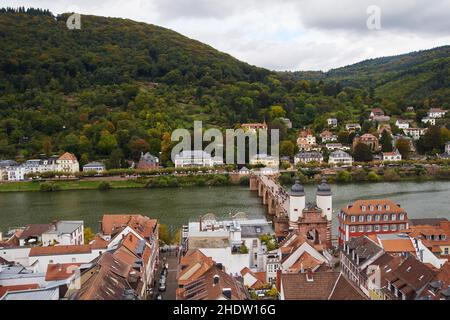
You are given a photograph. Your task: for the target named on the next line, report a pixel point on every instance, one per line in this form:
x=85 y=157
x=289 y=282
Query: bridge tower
x=297 y=203
x=324 y=199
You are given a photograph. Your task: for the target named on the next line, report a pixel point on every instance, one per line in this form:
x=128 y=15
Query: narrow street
x=171 y=282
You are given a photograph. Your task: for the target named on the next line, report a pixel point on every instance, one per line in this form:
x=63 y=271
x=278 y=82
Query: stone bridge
x=275 y=197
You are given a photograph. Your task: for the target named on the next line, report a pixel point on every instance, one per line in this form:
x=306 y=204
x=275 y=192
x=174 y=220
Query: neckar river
x=176 y=207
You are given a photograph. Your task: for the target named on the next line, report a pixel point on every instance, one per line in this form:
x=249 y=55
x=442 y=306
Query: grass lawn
x=67 y=185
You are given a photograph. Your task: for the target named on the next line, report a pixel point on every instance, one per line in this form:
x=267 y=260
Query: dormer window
x=371 y=208
x=387 y=207
x=380 y=208
x=363 y=208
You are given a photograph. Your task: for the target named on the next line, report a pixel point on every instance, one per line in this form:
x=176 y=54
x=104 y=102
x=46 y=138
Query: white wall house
x=402 y=124
x=430 y=121
x=436 y=113
x=193 y=158
x=392 y=156
x=415 y=133
x=41 y=257
x=94 y=166
x=340 y=157
x=64 y=233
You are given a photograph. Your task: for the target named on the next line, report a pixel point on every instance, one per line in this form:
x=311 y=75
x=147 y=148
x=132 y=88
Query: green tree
x=343 y=176
x=164 y=234
x=386 y=141
x=88 y=235
x=107 y=142
x=404 y=147
x=362 y=153
x=287 y=148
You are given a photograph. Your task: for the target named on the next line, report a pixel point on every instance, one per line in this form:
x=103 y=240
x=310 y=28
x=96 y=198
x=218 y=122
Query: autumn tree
x=404 y=147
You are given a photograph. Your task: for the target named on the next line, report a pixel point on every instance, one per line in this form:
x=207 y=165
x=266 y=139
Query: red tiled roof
x=68 y=156
x=22 y=287
x=318 y=286
x=112 y=223
x=60 y=271
x=356 y=207
x=59 y=250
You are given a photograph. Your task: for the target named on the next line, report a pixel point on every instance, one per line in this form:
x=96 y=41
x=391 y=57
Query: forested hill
x=117 y=88
x=38 y=48
x=411 y=77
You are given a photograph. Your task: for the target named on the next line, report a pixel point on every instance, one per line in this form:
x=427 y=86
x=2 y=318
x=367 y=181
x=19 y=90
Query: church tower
x=296 y=203
x=324 y=199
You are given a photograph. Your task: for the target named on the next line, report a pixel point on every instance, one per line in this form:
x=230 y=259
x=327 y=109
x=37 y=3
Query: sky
x=286 y=34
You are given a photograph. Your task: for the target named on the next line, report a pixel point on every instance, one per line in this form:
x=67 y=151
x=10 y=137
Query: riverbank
x=105 y=183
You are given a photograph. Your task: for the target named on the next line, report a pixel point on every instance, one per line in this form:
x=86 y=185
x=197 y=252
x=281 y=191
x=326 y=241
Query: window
x=380 y=208
x=352 y=229
x=353 y=219
x=446 y=251
x=402 y=216
x=371 y=208
x=363 y=208
x=361 y=218
x=369 y=228
x=361 y=229
x=401 y=226
x=377 y=228
x=369 y=218
x=393 y=227
x=377 y=217
x=387 y=207
x=385 y=227
x=393 y=217
x=386 y=217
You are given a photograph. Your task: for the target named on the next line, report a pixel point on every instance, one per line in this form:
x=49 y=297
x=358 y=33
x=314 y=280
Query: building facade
x=366 y=217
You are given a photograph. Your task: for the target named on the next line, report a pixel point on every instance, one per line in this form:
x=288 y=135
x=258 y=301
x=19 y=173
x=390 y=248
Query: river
x=175 y=207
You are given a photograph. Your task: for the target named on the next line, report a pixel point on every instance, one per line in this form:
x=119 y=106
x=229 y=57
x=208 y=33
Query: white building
x=94 y=166
x=352 y=127
x=67 y=163
x=64 y=233
x=193 y=158
x=340 y=157
x=266 y=160
x=222 y=240
x=308 y=156
x=41 y=257
x=392 y=156
x=336 y=146
x=402 y=124
x=415 y=133
x=428 y=120
x=436 y=113
x=332 y=122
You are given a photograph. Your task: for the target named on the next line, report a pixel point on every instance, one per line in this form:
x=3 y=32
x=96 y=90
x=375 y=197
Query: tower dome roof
x=324 y=188
x=297 y=189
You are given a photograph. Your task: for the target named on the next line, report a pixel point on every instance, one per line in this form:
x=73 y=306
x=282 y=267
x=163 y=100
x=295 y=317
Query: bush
x=49 y=187
x=391 y=175
x=243 y=249
x=373 y=176
x=244 y=181
x=104 y=185
x=343 y=176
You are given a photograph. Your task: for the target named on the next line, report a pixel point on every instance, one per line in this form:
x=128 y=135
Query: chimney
x=219 y=266
x=216 y=279
x=309 y=276
x=227 y=293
